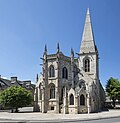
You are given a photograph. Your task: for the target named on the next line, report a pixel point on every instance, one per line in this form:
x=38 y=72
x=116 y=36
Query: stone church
x=71 y=85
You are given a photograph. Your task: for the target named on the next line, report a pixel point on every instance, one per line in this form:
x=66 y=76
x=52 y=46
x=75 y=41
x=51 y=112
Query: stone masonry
x=71 y=85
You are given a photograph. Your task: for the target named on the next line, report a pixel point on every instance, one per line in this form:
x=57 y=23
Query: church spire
x=87 y=44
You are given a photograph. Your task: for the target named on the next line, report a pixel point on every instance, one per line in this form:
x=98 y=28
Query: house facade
x=13 y=81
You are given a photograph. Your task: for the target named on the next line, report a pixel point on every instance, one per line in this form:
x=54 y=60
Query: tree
x=15 y=97
x=113 y=89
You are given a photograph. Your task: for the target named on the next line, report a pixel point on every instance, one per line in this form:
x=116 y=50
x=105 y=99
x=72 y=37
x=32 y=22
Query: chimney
x=14 y=78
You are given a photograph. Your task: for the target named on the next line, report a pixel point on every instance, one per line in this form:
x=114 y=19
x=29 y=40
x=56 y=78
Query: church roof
x=87 y=44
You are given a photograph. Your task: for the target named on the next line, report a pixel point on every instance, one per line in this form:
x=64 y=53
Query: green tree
x=113 y=89
x=15 y=97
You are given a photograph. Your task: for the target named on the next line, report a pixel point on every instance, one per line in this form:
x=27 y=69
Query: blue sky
x=27 y=25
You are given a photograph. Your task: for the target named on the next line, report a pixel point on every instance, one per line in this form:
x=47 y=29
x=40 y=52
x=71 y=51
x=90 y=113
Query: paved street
x=27 y=116
x=111 y=120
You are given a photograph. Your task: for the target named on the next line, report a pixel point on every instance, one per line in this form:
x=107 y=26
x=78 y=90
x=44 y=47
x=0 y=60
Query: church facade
x=71 y=85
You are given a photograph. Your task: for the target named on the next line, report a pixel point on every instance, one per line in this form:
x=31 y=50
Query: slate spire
x=87 y=44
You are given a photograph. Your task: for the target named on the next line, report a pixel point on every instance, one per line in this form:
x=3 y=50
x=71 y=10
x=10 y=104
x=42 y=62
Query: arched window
x=87 y=65
x=51 y=71
x=82 y=100
x=71 y=99
x=65 y=73
x=52 y=91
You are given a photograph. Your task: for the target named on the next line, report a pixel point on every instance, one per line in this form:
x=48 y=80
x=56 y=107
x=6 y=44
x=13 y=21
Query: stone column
x=88 y=97
x=72 y=67
x=44 y=101
x=57 y=99
x=35 y=94
x=76 y=105
x=88 y=102
x=35 y=100
x=57 y=84
x=38 y=93
x=65 y=111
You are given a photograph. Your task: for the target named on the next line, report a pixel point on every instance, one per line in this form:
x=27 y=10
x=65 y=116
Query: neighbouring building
x=68 y=84
x=5 y=83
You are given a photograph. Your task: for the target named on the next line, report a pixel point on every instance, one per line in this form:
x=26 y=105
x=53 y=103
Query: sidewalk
x=39 y=117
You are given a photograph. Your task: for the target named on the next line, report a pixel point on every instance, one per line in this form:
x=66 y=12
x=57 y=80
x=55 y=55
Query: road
x=111 y=120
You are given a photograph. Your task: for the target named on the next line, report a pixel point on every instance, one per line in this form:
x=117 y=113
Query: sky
x=27 y=25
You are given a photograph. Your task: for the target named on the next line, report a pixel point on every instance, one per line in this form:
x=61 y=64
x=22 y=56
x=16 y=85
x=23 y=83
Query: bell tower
x=88 y=55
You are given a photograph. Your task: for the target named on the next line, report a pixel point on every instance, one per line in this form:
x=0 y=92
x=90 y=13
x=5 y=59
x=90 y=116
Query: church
x=70 y=85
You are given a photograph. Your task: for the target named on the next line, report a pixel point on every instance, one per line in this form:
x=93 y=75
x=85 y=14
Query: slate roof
x=4 y=83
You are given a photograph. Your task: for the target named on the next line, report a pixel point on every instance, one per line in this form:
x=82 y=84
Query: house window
x=87 y=65
x=71 y=99
x=52 y=108
x=51 y=71
x=82 y=100
x=65 y=73
x=52 y=91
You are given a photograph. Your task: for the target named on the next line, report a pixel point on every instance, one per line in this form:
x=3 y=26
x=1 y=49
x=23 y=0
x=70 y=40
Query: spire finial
x=58 y=48
x=88 y=11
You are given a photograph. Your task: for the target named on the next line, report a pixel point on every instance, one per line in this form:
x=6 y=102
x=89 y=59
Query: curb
x=73 y=120
x=51 y=121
